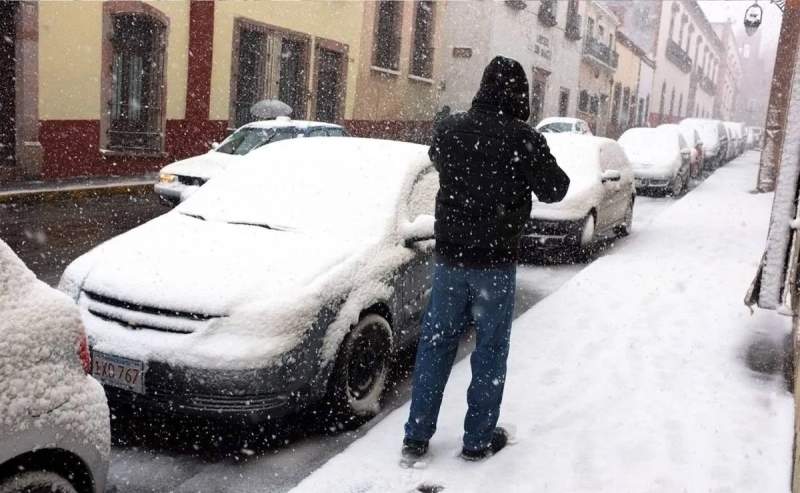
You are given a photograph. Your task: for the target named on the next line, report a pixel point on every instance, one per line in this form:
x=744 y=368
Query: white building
x=730 y=74
x=647 y=72
x=543 y=35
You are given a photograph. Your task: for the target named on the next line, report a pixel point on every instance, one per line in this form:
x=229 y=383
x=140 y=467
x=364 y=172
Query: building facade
x=123 y=87
x=599 y=63
x=543 y=35
x=730 y=73
x=625 y=102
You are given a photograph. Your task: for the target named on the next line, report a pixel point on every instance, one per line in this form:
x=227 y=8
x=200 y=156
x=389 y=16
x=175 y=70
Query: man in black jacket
x=490 y=161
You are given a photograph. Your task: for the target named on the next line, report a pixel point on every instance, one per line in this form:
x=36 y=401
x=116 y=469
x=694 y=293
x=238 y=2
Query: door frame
x=27 y=148
x=343 y=49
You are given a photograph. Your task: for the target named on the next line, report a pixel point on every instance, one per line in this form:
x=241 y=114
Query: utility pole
x=774 y=127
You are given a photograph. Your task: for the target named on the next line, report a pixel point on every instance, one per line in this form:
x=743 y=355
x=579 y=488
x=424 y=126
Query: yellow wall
x=70 y=51
x=628 y=69
x=69 y=60
x=339 y=21
x=383 y=96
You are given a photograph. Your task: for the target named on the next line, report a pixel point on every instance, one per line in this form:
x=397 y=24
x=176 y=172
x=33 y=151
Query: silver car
x=54 y=419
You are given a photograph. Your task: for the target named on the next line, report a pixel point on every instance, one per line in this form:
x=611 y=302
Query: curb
x=75 y=192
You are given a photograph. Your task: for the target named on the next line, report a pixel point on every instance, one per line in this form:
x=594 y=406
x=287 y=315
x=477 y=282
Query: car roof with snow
x=284 y=122
x=559 y=119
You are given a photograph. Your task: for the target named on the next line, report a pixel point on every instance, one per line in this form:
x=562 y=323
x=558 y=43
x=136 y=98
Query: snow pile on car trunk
x=631 y=377
x=42 y=382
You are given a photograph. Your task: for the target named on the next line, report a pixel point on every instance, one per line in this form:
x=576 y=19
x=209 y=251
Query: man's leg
x=492 y=311
x=444 y=321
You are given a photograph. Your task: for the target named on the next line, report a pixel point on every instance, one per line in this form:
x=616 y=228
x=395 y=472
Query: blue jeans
x=459 y=296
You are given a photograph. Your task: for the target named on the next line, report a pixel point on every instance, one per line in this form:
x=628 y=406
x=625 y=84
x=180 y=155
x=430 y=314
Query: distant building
x=543 y=35
x=686 y=50
x=598 y=67
x=631 y=90
x=758 y=63
x=728 y=89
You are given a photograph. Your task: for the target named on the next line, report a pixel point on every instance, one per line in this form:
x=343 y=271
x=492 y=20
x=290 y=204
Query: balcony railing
x=600 y=52
x=678 y=57
x=547 y=15
x=707 y=85
x=573 y=29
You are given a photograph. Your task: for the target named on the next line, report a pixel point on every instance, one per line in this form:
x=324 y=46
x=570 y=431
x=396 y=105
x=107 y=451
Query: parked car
x=754 y=136
x=692 y=138
x=54 y=419
x=598 y=204
x=228 y=306
x=733 y=142
x=714 y=138
x=180 y=179
x=660 y=158
x=560 y=124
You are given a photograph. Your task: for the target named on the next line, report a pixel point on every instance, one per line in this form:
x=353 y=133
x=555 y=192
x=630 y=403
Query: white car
x=271 y=288
x=560 y=124
x=714 y=138
x=599 y=203
x=692 y=138
x=54 y=419
x=181 y=178
x=660 y=158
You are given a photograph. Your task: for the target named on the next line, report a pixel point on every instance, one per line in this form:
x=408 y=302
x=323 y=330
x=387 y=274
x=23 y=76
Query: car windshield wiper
x=265 y=226
x=196 y=216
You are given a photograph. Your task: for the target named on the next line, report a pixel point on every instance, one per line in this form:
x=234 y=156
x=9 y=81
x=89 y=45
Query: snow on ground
x=631 y=377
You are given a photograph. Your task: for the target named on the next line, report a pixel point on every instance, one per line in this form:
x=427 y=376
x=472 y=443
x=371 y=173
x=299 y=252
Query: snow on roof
x=557 y=119
x=42 y=382
x=657 y=146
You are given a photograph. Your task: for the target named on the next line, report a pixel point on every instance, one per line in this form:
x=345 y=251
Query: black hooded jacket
x=489 y=161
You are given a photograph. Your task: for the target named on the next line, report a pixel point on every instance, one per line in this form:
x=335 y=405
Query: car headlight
x=166 y=178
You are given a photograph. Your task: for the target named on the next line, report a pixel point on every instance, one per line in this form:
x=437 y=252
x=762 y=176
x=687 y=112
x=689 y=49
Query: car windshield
x=246 y=139
x=557 y=127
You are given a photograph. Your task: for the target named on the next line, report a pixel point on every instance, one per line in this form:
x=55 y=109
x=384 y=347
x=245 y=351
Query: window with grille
x=422 y=58
x=563 y=102
x=136 y=109
x=583 y=101
x=386 y=48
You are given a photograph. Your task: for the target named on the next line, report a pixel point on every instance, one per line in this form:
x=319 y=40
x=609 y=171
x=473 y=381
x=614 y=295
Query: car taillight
x=84 y=355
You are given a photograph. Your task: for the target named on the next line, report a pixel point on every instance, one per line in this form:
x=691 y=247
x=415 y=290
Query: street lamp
x=752 y=18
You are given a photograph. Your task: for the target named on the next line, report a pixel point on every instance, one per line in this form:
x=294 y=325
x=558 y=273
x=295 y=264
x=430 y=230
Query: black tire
x=36 y=482
x=356 y=387
x=626 y=226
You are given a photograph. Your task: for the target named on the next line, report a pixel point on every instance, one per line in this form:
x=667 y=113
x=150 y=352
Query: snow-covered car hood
x=583 y=194
x=202 y=166
x=180 y=263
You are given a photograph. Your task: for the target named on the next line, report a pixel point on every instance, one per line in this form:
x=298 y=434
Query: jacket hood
x=504 y=86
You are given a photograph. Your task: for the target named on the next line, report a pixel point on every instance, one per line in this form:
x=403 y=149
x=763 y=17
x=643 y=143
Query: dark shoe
x=499 y=441
x=414 y=449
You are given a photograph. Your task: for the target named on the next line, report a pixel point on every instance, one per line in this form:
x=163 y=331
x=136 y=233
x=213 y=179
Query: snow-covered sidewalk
x=630 y=378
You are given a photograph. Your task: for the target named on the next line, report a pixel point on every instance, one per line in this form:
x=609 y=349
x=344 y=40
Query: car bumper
x=652 y=183
x=545 y=234
x=246 y=395
x=170 y=192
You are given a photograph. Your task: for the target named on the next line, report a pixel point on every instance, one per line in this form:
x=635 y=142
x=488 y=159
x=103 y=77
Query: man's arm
x=434 y=152
x=548 y=180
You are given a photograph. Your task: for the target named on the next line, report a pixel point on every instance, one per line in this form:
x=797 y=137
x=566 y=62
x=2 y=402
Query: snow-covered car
x=660 y=158
x=733 y=141
x=738 y=131
x=714 y=137
x=562 y=124
x=598 y=204
x=692 y=138
x=180 y=179
x=754 y=137
x=54 y=419
x=271 y=288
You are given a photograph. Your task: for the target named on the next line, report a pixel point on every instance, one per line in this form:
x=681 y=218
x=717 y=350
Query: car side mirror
x=610 y=175
x=420 y=229
x=215 y=146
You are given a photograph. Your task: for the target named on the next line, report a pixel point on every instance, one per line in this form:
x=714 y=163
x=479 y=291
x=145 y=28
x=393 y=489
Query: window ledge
x=386 y=71
x=418 y=78
x=132 y=153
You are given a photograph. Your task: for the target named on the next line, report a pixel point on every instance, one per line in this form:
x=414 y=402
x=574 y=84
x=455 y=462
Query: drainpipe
x=779 y=97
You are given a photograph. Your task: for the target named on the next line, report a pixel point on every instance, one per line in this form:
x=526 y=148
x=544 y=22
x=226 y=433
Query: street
x=153 y=457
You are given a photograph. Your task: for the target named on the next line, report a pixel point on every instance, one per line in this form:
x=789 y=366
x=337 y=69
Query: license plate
x=117 y=371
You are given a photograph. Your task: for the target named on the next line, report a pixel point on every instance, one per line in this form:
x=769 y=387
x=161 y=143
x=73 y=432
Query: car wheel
x=624 y=229
x=36 y=482
x=359 y=376
x=677 y=184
